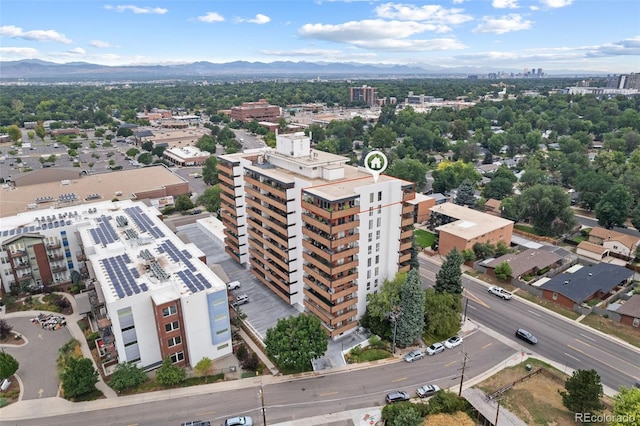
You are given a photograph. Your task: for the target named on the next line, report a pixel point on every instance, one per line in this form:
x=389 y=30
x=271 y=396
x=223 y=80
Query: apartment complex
x=260 y=111
x=319 y=233
x=151 y=295
x=365 y=94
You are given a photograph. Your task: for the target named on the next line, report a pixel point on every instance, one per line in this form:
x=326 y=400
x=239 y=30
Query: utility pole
x=264 y=412
x=464 y=365
x=498 y=410
x=466 y=303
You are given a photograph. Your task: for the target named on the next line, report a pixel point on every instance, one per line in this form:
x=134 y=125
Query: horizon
x=495 y=36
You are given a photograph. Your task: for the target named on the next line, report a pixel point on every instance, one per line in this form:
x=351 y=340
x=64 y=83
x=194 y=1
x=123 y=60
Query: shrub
x=242 y=353
x=251 y=362
x=375 y=341
x=3 y=402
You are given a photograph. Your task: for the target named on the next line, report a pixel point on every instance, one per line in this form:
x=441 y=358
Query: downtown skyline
x=489 y=36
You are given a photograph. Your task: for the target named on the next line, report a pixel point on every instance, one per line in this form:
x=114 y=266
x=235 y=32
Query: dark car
x=523 y=334
x=397 y=396
x=196 y=211
x=196 y=423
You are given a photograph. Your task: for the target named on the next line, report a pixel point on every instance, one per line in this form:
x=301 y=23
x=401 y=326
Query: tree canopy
x=295 y=341
x=449 y=277
x=170 y=374
x=626 y=408
x=8 y=365
x=126 y=376
x=583 y=391
x=411 y=321
x=79 y=377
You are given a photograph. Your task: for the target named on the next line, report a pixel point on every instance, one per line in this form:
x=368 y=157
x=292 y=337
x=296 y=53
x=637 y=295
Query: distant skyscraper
x=365 y=94
x=539 y=72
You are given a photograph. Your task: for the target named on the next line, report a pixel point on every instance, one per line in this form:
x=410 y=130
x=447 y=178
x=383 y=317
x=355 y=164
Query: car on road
x=397 y=396
x=196 y=211
x=525 y=335
x=241 y=300
x=239 y=421
x=452 y=342
x=196 y=423
x=436 y=348
x=414 y=356
x=233 y=285
x=500 y=292
x=427 y=390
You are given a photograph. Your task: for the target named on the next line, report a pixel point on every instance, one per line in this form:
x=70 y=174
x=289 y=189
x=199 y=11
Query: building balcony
x=16 y=254
x=59 y=268
x=258 y=239
x=231 y=237
x=330 y=213
x=319 y=312
x=407 y=222
x=280 y=193
x=21 y=266
x=267 y=255
x=328 y=293
x=232 y=253
x=265 y=198
x=229 y=220
x=408 y=195
x=407 y=233
x=317 y=222
x=270 y=267
x=227 y=199
x=337 y=331
x=54 y=257
x=53 y=246
x=344 y=317
x=25 y=277
x=81 y=257
x=404 y=268
x=226 y=179
x=348 y=239
x=344 y=227
x=270 y=213
x=404 y=258
x=225 y=169
x=407 y=208
x=282 y=292
x=405 y=246
x=271 y=233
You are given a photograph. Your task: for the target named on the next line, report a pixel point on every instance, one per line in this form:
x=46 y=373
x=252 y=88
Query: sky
x=490 y=35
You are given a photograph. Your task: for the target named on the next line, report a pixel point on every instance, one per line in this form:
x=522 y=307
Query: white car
x=233 y=285
x=427 y=390
x=453 y=342
x=500 y=292
x=435 y=349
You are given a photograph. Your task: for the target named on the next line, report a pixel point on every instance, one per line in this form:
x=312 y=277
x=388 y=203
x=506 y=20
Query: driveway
x=37 y=357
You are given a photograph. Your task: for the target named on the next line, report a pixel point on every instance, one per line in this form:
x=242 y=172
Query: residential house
x=492 y=206
x=591 y=251
x=528 y=262
x=620 y=245
x=629 y=311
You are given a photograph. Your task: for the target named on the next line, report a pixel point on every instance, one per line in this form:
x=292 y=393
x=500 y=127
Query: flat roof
x=471 y=223
x=128 y=182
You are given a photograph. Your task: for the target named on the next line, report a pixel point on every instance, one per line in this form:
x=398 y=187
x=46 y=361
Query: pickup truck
x=500 y=292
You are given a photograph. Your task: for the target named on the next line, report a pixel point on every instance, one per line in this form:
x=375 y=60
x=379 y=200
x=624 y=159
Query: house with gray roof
x=629 y=311
x=528 y=262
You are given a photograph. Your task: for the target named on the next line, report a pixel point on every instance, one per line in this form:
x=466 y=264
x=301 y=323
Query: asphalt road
x=567 y=343
x=587 y=221
x=299 y=398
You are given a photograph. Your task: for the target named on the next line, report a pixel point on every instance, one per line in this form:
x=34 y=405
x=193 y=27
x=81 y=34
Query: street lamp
x=393 y=316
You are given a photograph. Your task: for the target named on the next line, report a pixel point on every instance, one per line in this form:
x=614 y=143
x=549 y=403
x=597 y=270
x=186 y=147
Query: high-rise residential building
x=260 y=111
x=151 y=296
x=365 y=94
x=319 y=233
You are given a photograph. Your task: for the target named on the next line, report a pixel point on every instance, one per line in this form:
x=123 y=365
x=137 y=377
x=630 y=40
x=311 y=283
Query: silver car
x=436 y=348
x=414 y=356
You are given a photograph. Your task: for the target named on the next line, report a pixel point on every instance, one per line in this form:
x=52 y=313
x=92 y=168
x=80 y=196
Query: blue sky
x=493 y=35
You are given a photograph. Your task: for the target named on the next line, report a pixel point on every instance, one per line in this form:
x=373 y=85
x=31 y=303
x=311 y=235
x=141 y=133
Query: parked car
x=427 y=390
x=414 y=356
x=452 y=342
x=435 y=349
x=396 y=396
x=233 y=285
x=241 y=300
x=196 y=211
x=239 y=421
x=500 y=292
x=523 y=334
x=196 y=423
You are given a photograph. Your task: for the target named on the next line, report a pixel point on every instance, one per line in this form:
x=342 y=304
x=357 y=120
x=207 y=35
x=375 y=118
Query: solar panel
x=143 y=221
x=122 y=278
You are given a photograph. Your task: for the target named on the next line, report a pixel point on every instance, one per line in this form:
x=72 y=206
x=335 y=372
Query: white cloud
x=372 y=29
x=137 y=10
x=210 y=17
x=428 y=13
x=99 y=44
x=505 y=4
x=534 y=7
x=458 y=1
x=503 y=24
x=77 y=51
x=19 y=52
x=328 y=54
x=260 y=19
x=554 y=4
x=630 y=46
x=412 y=45
x=12 y=31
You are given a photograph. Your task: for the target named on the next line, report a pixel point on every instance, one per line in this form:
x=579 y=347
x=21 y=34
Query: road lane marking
x=571 y=356
x=534 y=313
x=205 y=413
x=607 y=354
x=587 y=337
x=600 y=360
x=472 y=307
x=473 y=297
x=328 y=393
x=487 y=345
x=451 y=363
x=399 y=380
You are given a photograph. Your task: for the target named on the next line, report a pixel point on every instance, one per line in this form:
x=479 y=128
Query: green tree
x=127 y=376
x=583 y=391
x=411 y=322
x=8 y=365
x=210 y=199
x=158 y=151
x=183 y=203
x=626 y=408
x=613 y=207
x=79 y=377
x=449 y=277
x=414 y=263
x=442 y=313
x=450 y=175
x=147 y=146
x=295 y=341
x=203 y=367
x=409 y=169
x=210 y=171
x=498 y=188
x=40 y=130
x=466 y=194
x=380 y=304
x=502 y=248
x=132 y=152
x=547 y=209
x=145 y=158
x=484 y=250
x=170 y=374
x=503 y=271
x=14 y=133
x=446 y=402
x=5 y=329
x=383 y=137
x=404 y=414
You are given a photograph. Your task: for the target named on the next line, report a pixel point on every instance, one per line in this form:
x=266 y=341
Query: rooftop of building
x=187 y=151
x=103 y=186
x=588 y=280
x=526 y=261
x=471 y=223
x=629 y=241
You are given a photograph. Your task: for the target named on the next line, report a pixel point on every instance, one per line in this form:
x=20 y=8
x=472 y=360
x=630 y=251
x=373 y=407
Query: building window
x=175 y=325
x=379 y=222
x=377 y=247
x=221 y=347
x=169 y=310
x=219 y=332
x=370 y=236
x=377 y=271
x=377 y=259
x=177 y=357
x=369 y=262
x=636 y=322
x=368 y=286
x=379 y=195
x=368 y=274
x=370 y=211
x=378 y=235
x=174 y=341
x=554 y=296
x=370 y=223
x=369 y=250
x=371 y=197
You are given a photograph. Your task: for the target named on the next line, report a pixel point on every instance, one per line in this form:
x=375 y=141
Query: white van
x=233 y=285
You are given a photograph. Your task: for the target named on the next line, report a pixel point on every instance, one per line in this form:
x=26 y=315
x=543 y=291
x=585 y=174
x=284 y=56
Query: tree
x=79 y=377
x=449 y=277
x=132 y=152
x=503 y=271
x=147 y=146
x=127 y=375
x=547 y=208
x=295 y=341
x=442 y=313
x=613 y=207
x=626 y=408
x=411 y=323
x=145 y=158
x=502 y=248
x=376 y=316
x=409 y=169
x=484 y=250
x=211 y=198
x=8 y=365
x=170 y=374
x=183 y=203
x=414 y=263
x=210 y=171
x=583 y=391
x=404 y=414
x=466 y=194
x=14 y=133
x=498 y=188
x=203 y=367
x=40 y=130
x=446 y=402
x=5 y=329
x=383 y=137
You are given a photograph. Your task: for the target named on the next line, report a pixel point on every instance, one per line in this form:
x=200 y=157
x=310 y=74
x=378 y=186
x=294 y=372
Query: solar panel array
x=143 y=221
x=67 y=198
x=92 y=197
x=122 y=221
x=104 y=233
x=195 y=282
x=159 y=273
x=177 y=255
x=131 y=234
x=46 y=199
x=146 y=255
x=122 y=278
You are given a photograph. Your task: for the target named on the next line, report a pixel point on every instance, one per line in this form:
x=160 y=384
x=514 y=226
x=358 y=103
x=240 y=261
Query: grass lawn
x=424 y=238
x=549 y=305
x=367 y=355
x=526 y=228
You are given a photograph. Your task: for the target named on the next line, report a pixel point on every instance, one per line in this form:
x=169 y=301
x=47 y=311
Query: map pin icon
x=375 y=163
